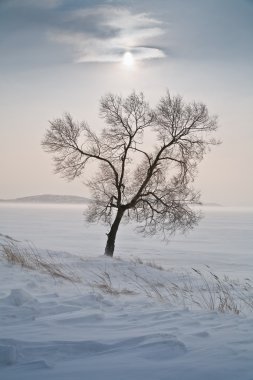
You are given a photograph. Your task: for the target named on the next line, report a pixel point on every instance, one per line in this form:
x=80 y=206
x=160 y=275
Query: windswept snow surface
x=110 y=325
x=223 y=240
x=52 y=329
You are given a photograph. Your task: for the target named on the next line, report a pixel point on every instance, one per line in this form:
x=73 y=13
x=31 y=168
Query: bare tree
x=152 y=188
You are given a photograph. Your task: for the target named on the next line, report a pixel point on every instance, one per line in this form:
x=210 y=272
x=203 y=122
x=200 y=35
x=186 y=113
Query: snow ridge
x=55 y=329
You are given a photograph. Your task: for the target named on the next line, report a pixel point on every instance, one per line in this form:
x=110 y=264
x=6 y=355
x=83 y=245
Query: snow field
x=156 y=312
x=56 y=329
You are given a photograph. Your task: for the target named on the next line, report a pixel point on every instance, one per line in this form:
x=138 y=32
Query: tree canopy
x=149 y=185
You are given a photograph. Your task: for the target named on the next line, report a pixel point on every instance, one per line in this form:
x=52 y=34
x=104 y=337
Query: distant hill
x=49 y=198
x=72 y=199
x=211 y=204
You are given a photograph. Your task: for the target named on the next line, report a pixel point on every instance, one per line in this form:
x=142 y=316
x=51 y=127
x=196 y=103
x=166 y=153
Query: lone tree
x=153 y=187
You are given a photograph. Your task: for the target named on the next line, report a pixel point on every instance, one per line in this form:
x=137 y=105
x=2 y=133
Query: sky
x=61 y=56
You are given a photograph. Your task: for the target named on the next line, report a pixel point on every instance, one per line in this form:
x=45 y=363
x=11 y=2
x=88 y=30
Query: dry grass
x=104 y=283
x=216 y=293
x=29 y=257
x=200 y=290
x=151 y=264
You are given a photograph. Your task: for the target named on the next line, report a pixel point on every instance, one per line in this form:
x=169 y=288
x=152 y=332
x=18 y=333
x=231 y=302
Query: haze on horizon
x=61 y=56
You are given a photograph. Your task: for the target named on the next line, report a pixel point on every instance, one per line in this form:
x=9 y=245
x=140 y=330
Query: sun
x=128 y=59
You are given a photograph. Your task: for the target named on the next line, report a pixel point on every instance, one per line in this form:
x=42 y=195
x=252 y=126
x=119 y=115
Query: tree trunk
x=109 y=249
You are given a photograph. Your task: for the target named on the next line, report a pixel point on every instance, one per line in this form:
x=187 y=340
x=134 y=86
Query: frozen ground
x=223 y=240
x=120 y=320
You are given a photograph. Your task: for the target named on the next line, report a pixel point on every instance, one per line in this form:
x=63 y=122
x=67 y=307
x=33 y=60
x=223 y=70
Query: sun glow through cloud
x=101 y=34
x=128 y=59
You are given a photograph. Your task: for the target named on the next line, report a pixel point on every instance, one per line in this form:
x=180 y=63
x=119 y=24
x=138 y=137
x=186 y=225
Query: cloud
x=79 y=30
x=103 y=34
x=46 y=4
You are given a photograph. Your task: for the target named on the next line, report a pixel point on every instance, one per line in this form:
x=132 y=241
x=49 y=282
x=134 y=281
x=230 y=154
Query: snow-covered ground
x=127 y=318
